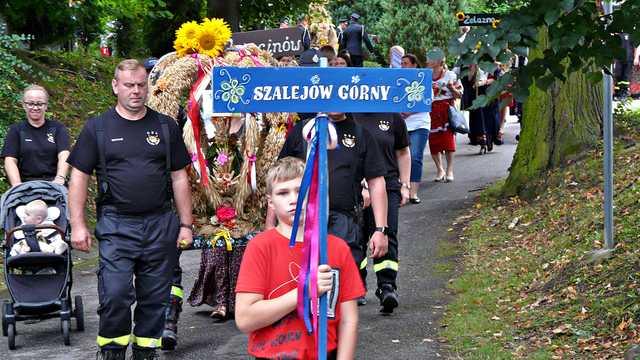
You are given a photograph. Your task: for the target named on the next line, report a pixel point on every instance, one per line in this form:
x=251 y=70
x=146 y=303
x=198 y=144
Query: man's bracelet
x=61 y=177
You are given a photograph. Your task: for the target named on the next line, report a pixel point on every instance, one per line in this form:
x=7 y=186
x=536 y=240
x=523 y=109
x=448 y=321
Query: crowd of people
x=144 y=204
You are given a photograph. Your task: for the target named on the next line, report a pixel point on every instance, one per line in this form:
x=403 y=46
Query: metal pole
x=607 y=119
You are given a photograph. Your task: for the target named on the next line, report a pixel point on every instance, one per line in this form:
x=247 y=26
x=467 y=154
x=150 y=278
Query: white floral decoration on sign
x=232 y=90
x=413 y=91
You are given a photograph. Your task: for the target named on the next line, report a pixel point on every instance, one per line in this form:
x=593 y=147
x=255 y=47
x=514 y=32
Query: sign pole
x=607 y=119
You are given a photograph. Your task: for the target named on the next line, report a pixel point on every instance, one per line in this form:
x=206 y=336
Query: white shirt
x=415 y=121
x=440 y=89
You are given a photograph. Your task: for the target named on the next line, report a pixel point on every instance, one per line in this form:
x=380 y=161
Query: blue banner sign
x=314 y=89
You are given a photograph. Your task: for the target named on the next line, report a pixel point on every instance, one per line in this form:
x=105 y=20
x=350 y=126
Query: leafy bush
x=415 y=25
x=626 y=118
x=11 y=82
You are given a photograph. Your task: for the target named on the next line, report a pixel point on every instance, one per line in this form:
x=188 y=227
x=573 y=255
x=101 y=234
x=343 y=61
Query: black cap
x=310 y=57
x=284 y=21
x=149 y=63
x=355 y=16
x=343 y=21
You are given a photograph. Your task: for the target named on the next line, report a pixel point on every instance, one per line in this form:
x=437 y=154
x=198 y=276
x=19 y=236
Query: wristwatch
x=405 y=185
x=383 y=229
x=190 y=227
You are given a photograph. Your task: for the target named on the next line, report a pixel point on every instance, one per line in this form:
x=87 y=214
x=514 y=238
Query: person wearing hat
x=446 y=88
x=342 y=26
x=352 y=39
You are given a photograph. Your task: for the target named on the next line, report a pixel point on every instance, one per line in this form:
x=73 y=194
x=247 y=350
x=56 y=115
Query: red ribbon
x=194 y=116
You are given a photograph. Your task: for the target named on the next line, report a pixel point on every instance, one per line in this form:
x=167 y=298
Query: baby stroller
x=39 y=283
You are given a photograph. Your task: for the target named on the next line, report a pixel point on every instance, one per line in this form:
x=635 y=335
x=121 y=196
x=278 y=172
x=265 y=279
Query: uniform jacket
x=353 y=37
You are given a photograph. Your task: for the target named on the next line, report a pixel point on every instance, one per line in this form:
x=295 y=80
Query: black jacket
x=353 y=37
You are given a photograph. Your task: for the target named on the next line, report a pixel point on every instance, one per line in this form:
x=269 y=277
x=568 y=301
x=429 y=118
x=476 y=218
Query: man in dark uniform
x=140 y=159
x=390 y=133
x=352 y=40
x=174 y=307
x=356 y=158
x=342 y=26
x=303 y=27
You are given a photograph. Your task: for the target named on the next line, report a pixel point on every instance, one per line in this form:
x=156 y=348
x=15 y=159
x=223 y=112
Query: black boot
x=172 y=314
x=144 y=354
x=388 y=298
x=111 y=354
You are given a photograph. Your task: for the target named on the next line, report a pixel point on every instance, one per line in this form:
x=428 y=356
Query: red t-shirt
x=271 y=268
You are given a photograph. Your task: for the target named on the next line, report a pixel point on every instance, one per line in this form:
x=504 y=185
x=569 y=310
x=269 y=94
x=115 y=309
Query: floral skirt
x=218 y=275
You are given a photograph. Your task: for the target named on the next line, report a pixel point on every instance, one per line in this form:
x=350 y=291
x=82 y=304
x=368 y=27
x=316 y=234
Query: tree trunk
x=558 y=123
x=229 y=10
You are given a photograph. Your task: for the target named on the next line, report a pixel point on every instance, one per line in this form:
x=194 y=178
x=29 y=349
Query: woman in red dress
x=446 y=88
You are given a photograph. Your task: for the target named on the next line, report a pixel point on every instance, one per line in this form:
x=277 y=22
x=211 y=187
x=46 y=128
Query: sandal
x=220 y=312
x=415 y=200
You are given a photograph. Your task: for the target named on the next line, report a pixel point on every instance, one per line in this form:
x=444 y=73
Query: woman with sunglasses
x=37 y=148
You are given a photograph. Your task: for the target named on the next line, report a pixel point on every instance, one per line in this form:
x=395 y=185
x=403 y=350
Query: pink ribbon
x=309 y=268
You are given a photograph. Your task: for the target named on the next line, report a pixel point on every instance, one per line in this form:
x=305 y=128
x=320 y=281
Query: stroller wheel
x=4 y=317
x=78 y=312
x=11 y=336
x=66 y=327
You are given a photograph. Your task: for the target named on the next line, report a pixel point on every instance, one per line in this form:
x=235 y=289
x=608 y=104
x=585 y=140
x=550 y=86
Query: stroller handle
x=9 y=236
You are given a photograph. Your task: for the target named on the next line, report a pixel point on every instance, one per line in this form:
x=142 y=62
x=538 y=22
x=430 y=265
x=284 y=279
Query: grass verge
x=529 y=288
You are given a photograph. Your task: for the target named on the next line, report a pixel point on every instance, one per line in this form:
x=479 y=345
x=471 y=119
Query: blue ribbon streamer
x=317 y=152
x=304 y=189
x=323 y=192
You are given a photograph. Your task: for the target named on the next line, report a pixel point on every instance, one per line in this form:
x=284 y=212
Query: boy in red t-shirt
x=267 y=292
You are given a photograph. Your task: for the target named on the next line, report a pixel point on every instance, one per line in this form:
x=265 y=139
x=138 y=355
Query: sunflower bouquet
x=207 y=38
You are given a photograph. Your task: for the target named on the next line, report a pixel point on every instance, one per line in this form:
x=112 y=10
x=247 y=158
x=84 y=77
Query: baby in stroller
x=37 y=212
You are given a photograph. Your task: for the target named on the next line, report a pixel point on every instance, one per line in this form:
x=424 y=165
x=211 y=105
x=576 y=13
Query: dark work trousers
x=385 y=267
x=357 y=60
x=345 y=226
x=176 y=278
x=143 y=247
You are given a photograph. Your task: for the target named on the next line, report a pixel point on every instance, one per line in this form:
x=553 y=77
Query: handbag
x=457 y=122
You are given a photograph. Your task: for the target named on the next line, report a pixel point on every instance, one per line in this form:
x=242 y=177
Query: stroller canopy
x=32 y=190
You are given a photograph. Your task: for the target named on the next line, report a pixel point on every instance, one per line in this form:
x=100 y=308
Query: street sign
x=278 y=42
x=477 y=19
x=312 y=89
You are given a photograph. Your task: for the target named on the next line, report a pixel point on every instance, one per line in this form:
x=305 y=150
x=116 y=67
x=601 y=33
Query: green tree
x=416 y=25
x=571 y=43
x=52 y=22
x=250 y=15
x=128 y=18
x=160 y=32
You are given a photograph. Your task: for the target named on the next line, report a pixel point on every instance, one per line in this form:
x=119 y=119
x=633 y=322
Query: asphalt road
x=411 y=332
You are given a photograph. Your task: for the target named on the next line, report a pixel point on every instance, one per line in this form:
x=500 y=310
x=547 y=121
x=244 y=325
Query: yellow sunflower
x=460 y=15
x=494 y=23
x=213 y=36
x=187 y=38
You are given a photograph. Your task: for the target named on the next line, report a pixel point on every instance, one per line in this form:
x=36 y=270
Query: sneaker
x=362 y=301
x=388 y=298
x=144 y=354
x=111 y=354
